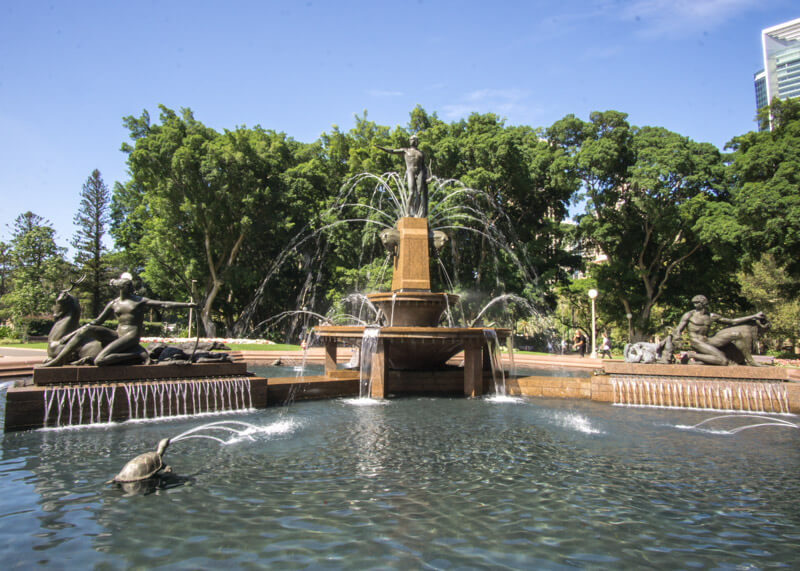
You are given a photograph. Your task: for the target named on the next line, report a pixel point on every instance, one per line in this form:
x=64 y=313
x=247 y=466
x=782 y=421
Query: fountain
x=410 y=348
x=96 y=375
x=419 y=483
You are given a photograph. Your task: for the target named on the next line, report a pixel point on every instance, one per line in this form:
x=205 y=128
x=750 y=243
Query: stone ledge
x=91 y=374
x=703 y=371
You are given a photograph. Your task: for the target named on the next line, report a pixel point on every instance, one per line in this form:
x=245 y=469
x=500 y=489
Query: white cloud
x=504 y=102
x=384 y=93
x=678 y=17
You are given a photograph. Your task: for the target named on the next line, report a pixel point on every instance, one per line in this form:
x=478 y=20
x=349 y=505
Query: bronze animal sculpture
x=67 y=314
x=390 y=238
x=160 y=353
x=646 y=353
x=144 y=466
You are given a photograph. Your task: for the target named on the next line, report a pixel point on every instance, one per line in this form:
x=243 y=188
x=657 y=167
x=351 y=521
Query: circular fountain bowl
x=412 y=309
x=414 y=348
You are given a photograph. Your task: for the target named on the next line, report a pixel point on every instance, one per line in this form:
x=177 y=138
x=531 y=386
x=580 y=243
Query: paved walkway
x=19 y=362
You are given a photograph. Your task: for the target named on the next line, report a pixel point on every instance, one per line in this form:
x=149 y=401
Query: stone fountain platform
x=89 y=394
x=410 y=355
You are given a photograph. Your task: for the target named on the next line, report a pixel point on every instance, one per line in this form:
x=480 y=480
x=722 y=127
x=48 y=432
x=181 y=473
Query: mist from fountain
x=454 y=207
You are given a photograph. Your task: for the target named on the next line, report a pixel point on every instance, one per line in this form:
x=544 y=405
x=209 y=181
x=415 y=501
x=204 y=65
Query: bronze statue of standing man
x=416 y=177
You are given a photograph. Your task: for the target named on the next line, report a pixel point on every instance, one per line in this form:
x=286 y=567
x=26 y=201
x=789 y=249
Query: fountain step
x=90 y=374
x=33 y=407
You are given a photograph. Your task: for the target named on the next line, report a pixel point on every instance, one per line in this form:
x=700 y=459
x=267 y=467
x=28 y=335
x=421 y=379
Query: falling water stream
x=94 y=404
x=725 y=395
x=498 y=374
x=369 y=345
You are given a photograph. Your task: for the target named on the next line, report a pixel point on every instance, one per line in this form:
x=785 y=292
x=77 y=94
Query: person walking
x=605 y=347
x=580 y=342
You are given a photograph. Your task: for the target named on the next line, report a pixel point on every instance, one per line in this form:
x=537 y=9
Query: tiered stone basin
x=412 y=308
x=415 y=348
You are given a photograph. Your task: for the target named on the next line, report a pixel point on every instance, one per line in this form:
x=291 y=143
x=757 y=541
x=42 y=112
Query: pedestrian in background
x=605 y=348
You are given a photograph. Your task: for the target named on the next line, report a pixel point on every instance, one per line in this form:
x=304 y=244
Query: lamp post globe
x=630 y=331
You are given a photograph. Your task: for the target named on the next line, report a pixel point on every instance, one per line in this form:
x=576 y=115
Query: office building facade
x=781 y=74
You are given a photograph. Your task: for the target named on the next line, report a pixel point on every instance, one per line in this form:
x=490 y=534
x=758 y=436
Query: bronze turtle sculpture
x=144 y=466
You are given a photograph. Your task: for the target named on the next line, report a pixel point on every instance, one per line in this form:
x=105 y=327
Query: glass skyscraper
x=781 y=74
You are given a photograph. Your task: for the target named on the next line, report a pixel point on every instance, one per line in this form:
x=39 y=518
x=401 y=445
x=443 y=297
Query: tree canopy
x=265 y=225
x=656 y=208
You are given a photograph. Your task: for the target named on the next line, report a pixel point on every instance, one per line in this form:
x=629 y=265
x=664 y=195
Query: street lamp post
x=191 y=299
x=593 y=295
x=630 y=330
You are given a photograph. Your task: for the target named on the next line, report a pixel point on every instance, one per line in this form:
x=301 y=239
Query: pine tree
x=91 y=220
x=38 y=268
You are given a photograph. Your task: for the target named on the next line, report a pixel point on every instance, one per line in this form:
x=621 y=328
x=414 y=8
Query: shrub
x=32 y=325
x=7 y=332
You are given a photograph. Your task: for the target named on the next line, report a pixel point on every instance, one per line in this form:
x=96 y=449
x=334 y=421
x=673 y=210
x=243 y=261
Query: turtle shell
x=142 y=467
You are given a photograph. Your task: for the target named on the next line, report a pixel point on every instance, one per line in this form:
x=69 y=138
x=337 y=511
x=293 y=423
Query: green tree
x=657 y=209
x=197 y=199
x=507 y=237
x=769 y=288
x=5 y=268
x=39 y=267
x=765 y=170
x=91 y=220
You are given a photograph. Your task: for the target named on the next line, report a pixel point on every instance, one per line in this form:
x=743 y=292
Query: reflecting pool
x=412 y=483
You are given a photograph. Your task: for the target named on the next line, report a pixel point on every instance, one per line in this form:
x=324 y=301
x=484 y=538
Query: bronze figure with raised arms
x=416 y=177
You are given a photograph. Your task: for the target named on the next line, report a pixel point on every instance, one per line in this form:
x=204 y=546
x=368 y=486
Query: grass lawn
x=260 y=347
x=17 y=345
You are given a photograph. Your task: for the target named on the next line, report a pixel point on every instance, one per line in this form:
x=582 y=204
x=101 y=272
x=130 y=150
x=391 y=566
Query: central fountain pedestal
x=412 y=339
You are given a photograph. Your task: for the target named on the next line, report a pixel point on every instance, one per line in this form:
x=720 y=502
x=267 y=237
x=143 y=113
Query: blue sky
x=70 y=70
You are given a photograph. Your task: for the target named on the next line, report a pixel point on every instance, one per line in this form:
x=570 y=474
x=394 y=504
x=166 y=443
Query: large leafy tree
x=769 y=287
x=38 y=265
x=91 y=219
x=506 y=237
x=5 y=267
x=765 y=171
x=527 y=183
x=197 y=199
x=657 y=209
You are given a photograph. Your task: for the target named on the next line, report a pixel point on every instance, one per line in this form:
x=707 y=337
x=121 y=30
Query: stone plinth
x=408 y=349
x=754 y=389
x=412 y=264
x=78 y=403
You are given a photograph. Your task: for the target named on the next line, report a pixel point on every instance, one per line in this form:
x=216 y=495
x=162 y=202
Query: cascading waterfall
x=716 y=394
x=94 y=404
x=100 y=404
x=369 y=345
x=498 y=375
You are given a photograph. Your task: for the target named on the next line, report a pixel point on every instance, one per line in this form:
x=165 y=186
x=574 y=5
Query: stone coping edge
x=703 y=371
